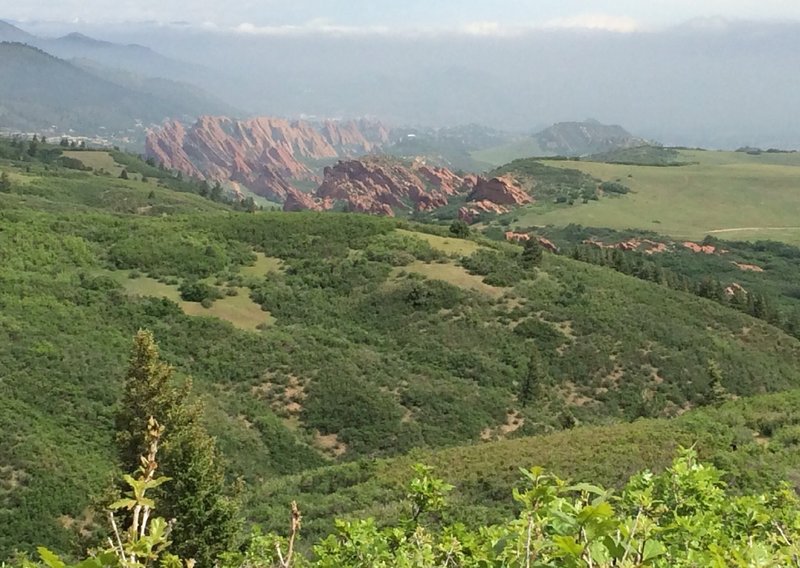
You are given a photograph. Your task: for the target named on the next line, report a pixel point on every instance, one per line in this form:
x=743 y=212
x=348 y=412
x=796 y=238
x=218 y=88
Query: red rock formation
x=475 y=209
x=262 y=154
x=517 y=237
x=296 y=200
x=748 y=267
x=353 y=137
x=502 y=191
x=735 y=289
x=442 y=179
x=705 y=249
x=544 y=243
x=524 y=237
x=646 y=246
x=382 y=186
x=379 y=186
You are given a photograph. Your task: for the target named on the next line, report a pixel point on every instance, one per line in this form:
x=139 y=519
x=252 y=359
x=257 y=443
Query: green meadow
x=731 y=195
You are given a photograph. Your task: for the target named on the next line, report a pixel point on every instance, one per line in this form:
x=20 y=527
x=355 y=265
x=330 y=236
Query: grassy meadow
x=731 y=195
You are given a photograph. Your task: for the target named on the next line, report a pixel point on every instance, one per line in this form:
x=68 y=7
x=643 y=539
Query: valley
x=299 y=291
x=323 y=338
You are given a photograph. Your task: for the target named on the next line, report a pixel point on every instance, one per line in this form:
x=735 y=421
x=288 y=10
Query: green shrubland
x=369 y=357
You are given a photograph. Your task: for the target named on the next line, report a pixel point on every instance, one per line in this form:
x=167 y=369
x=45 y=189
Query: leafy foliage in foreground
x=682 y=517
x=754 y=440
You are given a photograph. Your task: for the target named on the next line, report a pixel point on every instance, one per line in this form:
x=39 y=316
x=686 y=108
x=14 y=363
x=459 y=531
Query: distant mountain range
x=103 y=88
x=584 y=138
x=130 y=57
x=41 y=92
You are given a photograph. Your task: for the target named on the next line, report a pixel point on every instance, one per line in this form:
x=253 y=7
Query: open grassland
x=732 y=195
x=96 y=160
x=446 y=245
x=264 y=265
x=239 y=310
x=452 y=274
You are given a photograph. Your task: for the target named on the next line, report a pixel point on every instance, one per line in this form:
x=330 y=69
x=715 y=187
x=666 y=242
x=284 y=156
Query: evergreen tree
x=5 y=182
x=717 y=394
x=207 y=520
x=793 y=323
x=459 y=228
x=531 y=387
x=531 y=253
x=216 y=192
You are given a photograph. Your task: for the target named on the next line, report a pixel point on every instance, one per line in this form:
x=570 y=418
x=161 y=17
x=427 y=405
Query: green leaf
x=587 y=488
x=122 y=504
x=652 y=549
x=50 y=558
x=568 y=545
x=153 y=483
x=599 y=553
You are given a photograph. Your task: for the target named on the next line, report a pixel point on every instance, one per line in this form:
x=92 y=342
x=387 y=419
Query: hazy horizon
x=723 y=80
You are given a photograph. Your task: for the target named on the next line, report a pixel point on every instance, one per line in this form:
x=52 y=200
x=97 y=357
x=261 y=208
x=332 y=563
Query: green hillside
x=730 y=195
x=754 y=441
x=39 y=91
x=320 y=338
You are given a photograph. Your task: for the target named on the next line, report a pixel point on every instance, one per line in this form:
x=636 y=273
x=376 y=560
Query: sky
x=386 y=16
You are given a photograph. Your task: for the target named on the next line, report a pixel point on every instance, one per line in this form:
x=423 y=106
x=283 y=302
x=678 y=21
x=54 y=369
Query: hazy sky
x=472 y=16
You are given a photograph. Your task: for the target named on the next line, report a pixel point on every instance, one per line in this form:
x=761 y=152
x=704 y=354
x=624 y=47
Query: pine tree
x=207 y=520
x=531 y=254
x=459 y=228
x=5 y=182
x=717 y=394
x=531 y=387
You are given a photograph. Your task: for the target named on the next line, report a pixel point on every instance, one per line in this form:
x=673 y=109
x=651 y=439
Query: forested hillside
x=318 y=339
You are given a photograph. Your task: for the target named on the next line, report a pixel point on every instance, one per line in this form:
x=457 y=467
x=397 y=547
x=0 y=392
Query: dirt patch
x=614 y=378
x=285 y=399
x=83 y=526
x=11 y=478
x=573 y=397
x=514 y=421
x=748 y=267
x=330 y=444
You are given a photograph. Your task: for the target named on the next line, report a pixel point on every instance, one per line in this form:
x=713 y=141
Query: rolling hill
x=571 y=139
x=131 y=58
x=321 y=338
x=730 y=195
x=40 y=91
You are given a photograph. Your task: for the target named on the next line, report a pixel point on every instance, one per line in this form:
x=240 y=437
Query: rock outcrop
x=473 y=210
x=501 y=191
x=264 y=154
x=381 y=186
x=703 y=249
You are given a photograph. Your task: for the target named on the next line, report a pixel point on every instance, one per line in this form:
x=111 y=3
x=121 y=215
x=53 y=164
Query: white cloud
x=319 y=26
x=621 y=24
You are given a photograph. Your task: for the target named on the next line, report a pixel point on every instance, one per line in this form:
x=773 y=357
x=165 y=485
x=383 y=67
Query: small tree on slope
x=206 y=518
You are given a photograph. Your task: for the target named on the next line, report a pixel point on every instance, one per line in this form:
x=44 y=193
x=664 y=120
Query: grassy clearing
x=96 y=160
x=725 y=190
x=455 y=275
x=239 y=310
x=264 y=265
x=460 y=247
